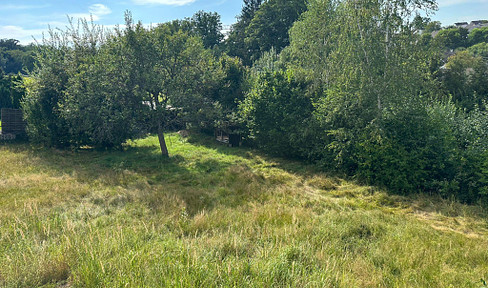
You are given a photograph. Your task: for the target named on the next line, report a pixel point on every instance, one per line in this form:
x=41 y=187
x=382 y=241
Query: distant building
x=468 y=26
x=461 y=24
x=472 y=25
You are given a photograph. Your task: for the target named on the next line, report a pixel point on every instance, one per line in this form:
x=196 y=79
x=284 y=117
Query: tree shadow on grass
x=89 y=165
x=417 y=202
x=195 y=182
x=199 y=183
x=295 y=166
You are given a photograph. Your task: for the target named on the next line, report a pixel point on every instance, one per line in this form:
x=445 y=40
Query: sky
x=26 y=20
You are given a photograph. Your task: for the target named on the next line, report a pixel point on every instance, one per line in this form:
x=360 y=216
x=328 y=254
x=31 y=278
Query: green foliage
x=46 y=88
x=103 y=89
x=452 y=38
x=81 y=93
x=270 y=24
x=472 y=137
x=208 y=26
x=466 y=78
x=231 y=90
x=480 y=49
x=277 y=112
x=478 y=35
x=414 y=150
x=11 y=91
x=377 y=101
x=432 y=27
x=15 y=58
x=420 y=23
x=261 y=26
x=235 y=43
x=102 y=105
x=352 y=64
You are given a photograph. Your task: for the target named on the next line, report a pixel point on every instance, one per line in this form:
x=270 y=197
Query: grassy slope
x=216 y=216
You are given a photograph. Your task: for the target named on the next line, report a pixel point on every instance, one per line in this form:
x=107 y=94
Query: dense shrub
x=79 y=93
x=411 y=149
x=377 y=113
x=277 y=112
x=46 y=89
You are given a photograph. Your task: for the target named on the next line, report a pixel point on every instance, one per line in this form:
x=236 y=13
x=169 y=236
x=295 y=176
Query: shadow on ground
x=200 y=183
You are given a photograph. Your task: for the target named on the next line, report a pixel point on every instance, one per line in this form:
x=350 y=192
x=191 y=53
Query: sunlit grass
x=216 y=216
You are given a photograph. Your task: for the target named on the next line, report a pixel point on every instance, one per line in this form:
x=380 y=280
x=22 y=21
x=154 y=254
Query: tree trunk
x=162 y=142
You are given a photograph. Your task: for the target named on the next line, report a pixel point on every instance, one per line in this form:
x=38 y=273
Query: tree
x=371 y=78
x=172 y=68
x=15 y=58
x=208 y=26
x=101 y=104
x=98 y=89
x=466 y=78
x=45 y=86
x=480 y=49
x=11 y=91
x=420 y=23
x=235 y=43
x=478 y=35
x=277 y=112
x=432 y=27
x=270 y=24
x=452 y=38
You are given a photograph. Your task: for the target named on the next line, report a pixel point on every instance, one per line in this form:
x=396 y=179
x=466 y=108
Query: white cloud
x=96 y=11
x=17 y=30
x=99 y=9
x=21 y=34
x=445 y=3
x=163 y=2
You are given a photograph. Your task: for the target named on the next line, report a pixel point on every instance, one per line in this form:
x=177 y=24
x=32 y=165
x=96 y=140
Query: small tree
x=172 y=68
x=478 y=35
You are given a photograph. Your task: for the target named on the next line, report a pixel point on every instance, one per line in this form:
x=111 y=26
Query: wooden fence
x=12 y=121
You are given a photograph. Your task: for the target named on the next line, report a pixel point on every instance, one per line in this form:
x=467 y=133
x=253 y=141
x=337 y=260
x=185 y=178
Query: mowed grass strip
x=216 y=216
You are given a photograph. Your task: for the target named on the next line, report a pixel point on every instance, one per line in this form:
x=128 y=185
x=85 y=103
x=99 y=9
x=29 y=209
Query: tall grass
x=216 y=216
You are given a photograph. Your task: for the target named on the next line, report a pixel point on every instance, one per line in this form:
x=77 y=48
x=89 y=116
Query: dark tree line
x=15 y=59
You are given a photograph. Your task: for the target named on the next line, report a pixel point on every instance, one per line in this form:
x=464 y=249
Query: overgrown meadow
x=216 y=216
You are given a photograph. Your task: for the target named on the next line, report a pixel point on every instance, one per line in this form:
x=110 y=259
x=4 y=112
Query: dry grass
x=214 y=216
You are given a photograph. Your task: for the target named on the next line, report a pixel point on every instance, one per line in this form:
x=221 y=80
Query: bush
x=412 y=149
x=43 y=101
x=277 y=112
x=81 y=93
x=436 y=148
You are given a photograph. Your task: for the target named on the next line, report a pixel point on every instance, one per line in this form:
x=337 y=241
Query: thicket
x=99 y=88
x=353 y=86
x=379 y=112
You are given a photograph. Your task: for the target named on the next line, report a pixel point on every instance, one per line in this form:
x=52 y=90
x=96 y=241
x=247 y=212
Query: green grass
x=216 y=216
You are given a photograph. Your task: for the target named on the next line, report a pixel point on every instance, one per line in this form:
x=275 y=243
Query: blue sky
x=23 y=19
